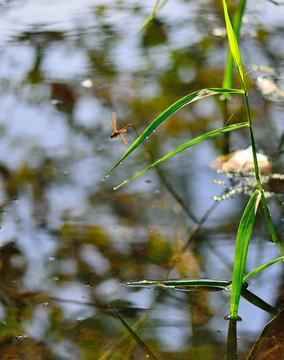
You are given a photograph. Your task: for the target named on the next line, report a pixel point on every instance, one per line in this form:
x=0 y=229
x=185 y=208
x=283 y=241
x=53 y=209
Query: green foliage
x=185 y=146
x=233 y=42
x=184 y=284
x=247 y=220
x=228 y=74
x=242 y=243
x=186 y=100
x=262 y=267
x=234 y=47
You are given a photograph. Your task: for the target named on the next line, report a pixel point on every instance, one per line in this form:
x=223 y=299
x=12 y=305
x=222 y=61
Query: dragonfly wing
x=123 y=140
x=114 y=119
x=114 y=128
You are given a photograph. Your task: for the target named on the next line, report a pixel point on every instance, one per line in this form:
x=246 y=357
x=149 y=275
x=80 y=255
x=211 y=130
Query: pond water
x=68 y=241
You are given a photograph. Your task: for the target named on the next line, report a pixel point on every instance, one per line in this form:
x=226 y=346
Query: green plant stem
x=234 y=47
x=257 y=177
x=232 y=348
x=270 y=223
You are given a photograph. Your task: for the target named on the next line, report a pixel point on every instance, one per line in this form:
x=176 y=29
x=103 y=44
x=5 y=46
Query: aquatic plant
x=248 y=217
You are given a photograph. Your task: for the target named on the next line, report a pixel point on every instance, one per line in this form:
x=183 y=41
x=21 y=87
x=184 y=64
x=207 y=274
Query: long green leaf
x=233 y=42
x=228 y=74
x=184 y=284
x=197 y=95
x=185 y=146
x=262 y=267
x=242 y=243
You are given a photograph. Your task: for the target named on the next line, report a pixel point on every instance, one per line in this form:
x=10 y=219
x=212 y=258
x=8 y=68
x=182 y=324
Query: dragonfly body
x=118 y=132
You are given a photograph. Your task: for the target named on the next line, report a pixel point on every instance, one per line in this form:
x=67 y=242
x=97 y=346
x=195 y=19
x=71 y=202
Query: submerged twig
x=191 y=235
x=174 y=194
x=142 y=345
x=107 y=355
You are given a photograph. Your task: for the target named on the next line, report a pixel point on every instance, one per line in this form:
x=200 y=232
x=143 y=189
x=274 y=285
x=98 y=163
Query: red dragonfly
x=118 y=132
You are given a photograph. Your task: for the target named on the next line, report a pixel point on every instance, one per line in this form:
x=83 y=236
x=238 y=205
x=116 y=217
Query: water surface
x=67 y=239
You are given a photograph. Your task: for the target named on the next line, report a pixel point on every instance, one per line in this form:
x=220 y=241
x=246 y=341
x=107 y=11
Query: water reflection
x=67 y=240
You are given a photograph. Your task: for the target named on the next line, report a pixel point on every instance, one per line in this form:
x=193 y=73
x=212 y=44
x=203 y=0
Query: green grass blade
x=185 y=146
x=197 y=95
x=233 y=42
x=242 y=243
x=184 y=284
x=228 y=74
x=262 y=267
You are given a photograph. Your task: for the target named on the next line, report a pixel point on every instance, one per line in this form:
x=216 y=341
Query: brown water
x=67 y=239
